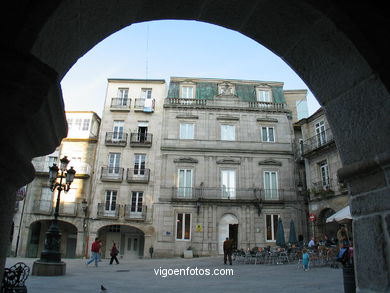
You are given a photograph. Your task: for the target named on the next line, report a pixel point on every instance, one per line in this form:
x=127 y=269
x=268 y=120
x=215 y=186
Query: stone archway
x=37 y=233
x=129 y=240
x=337 y=49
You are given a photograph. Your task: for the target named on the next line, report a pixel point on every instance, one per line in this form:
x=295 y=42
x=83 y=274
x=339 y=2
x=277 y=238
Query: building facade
x=36 y=209
x=227 y=166
x=124 y=185
x=321 y=160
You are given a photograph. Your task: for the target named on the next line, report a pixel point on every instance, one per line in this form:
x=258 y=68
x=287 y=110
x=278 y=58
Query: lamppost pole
x=50 y=261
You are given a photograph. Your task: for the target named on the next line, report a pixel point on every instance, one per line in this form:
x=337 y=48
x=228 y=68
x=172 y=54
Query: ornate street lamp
x=51 y=252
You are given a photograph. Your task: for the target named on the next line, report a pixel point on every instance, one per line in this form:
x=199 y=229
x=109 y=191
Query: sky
x=165 y=48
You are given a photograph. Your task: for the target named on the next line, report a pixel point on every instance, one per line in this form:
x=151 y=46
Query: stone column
x=34 y=124
x=369 y=183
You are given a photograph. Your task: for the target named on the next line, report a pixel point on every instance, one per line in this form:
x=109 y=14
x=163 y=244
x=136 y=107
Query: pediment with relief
x=225 y=89
x=229 y=161
x=270 y=162
x=186 y=160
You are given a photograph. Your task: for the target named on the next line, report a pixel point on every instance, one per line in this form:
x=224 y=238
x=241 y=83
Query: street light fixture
x=51 y=252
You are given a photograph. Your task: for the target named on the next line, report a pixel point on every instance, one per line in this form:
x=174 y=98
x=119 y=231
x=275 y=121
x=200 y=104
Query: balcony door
x=46 y=202
x=142 y=131
x=113 y=164
x=110 y=203
x=118 y=130
x=320 y=133
x=136 y=203
x=139 y=164
x=122 y=97
x=271 y=185
x=185 y=183
x=228 y=183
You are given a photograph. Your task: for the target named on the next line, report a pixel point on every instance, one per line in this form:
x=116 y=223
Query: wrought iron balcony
x=144 y=105
x=141 y=139
x=116 y=139
x=138 y=175
x=43 y=207
x=114 y=174
x=319 y=141
x=120 y=104
x=135 y=213
x=212 y=194
x=271 y=194
x=107 y=210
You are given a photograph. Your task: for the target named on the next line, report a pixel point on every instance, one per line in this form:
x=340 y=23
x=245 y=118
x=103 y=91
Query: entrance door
x=228 y=227
x=132 y=246
x=111 y=238
x=233 y=234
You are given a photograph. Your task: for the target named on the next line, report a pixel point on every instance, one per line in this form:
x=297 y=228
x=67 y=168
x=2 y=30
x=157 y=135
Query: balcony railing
x=138 y=175
x=43 y=207
x=116 y=139
x=231 y=194
x=272 y=194
x=141 y=139
x=267 y=106
x=181 y=101
x=215 y=102
x=120 y=104
x=68 y=209
x=107 y=210
x=135 y=213
x=112 y=174
x=318 y=141
x=144 y=105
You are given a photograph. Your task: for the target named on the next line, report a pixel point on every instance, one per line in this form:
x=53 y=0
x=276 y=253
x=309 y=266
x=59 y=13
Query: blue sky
x=161 y=49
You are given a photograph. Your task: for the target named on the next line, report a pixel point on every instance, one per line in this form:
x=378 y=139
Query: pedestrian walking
x=114 y=253
x=227 y=250
x=305 y=259
x=95 y=248
x=100 y=250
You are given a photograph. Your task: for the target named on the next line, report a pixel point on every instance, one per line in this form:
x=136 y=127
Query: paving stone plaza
x=148 y=276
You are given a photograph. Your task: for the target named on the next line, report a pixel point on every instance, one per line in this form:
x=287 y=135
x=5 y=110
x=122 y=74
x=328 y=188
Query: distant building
x=321 y=161
x=36 y=211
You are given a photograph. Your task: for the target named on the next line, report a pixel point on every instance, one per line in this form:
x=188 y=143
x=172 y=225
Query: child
x=305 y=260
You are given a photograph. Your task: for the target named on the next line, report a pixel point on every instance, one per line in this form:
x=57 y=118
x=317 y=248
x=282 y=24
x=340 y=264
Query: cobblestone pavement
x=148 y=276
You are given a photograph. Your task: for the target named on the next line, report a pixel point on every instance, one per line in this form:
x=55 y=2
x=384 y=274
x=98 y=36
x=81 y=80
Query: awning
x=341 y=215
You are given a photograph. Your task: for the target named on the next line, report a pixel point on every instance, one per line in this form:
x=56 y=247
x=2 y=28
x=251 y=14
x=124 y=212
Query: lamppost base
x=43 y=268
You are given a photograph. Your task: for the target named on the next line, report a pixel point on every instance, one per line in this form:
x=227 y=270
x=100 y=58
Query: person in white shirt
x=311 y=243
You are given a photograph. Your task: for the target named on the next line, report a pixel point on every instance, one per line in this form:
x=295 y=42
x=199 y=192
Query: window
x=110 y=202
x=136 y=201
x=118 y=130
x=185 y=183
x=46 y=202
x=263 y=96
x=228 y=183
x=146 y=93
x=187 y=92
x=86 y=123
x=267 y=134
x=123 y=94
x=51 y=160
x=271 y=191
x=271 y=227
x=186 y=131
x=139 y=164
x=228 y=132
x=320 y=133
x=78 y=124
x=183 y=226
x=324 y=172
x=113 y=163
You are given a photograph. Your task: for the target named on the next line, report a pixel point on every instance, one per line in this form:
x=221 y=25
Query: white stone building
x=35 y=211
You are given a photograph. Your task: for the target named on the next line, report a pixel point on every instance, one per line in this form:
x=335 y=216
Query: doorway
x=227 y=228
x=233 y=234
